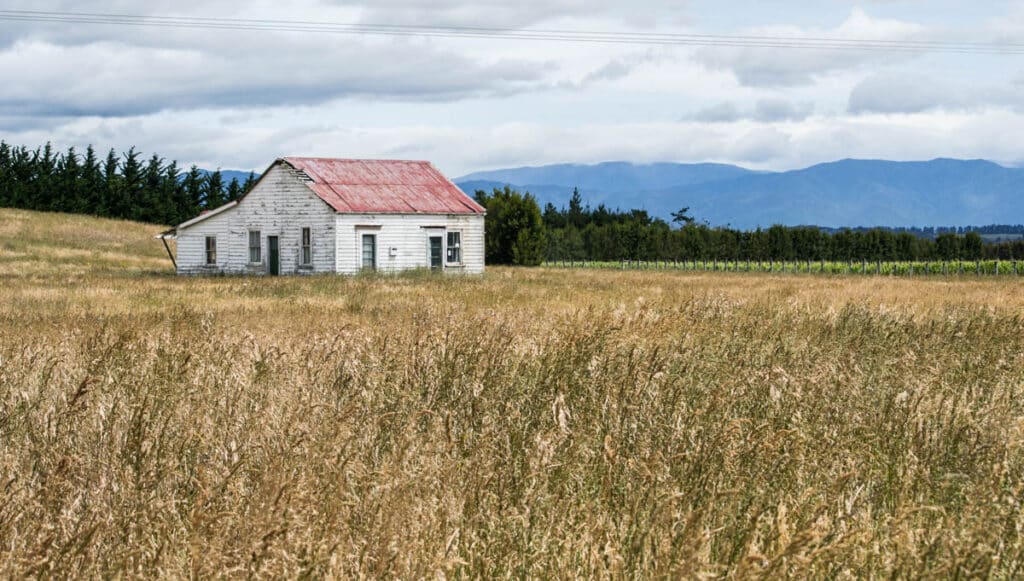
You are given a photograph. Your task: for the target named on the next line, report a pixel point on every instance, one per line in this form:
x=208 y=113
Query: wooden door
x=436 y=253
x=273 y=256
x=369 y=252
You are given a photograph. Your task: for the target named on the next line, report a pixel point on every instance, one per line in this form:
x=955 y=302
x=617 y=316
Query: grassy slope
x=47 y=243
x=527 y=423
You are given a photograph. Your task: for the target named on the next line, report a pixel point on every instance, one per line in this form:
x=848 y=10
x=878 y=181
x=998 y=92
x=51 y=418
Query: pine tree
x=6 y=179
x=93 y=186
x=149 y=206
x=194 y=187
x=66 y=197
x=172 y=193
x=22 y=175
x=577 y=216
x=112 y=192
x=128 y=192
x=41 y=188
x=249 y=183
x=234 y=190
x=213 y=191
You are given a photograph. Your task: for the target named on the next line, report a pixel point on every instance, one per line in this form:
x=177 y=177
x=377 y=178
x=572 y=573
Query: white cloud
x=111 y=78
x=238 y=99
x=786 y=67
x=459 y=149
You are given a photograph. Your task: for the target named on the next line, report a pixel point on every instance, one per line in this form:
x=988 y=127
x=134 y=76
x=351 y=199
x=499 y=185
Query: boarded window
x=454 y=247
x=307 y=247
x=211 y=250
x=255 y=248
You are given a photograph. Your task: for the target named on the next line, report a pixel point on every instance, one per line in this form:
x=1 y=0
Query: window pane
x=255 y=248
x=455 y=247
x=307 y=251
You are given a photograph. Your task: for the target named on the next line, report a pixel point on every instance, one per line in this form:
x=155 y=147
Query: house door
x=436 y=253
x=369 y=252
x=273 y=256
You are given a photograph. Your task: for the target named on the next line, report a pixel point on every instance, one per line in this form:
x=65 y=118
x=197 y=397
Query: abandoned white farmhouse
x=314 y=215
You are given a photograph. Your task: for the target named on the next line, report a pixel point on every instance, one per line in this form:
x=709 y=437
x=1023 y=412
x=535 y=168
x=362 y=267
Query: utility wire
x=582 y=36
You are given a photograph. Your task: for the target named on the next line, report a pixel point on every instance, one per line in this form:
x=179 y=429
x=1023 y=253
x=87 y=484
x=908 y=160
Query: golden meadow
x=530 y=423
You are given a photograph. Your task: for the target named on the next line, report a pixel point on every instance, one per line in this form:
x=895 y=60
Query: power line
x=490 y=33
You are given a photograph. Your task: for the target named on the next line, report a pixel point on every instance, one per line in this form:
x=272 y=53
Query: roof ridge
x=359 y=159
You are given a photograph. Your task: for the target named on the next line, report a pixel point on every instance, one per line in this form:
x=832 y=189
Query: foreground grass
x=531 y=423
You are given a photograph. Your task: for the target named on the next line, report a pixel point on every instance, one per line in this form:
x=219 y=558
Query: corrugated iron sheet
x=384 y=186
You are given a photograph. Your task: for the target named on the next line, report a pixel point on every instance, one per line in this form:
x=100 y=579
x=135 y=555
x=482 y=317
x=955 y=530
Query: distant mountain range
x=227 y=174
x=941 y=192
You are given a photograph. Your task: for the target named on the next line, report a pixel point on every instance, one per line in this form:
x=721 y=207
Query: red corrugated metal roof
x=383 y=186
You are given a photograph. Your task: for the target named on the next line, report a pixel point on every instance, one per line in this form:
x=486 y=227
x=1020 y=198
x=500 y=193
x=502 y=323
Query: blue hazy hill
x=228 y=174
x=843 y=193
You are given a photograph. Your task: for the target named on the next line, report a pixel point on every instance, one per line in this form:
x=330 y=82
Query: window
x=255 y=248
x=307 y=247
x=211 y=250
x=454 y=247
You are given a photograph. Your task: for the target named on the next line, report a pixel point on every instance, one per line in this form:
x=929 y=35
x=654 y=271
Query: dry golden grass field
x=527 y=424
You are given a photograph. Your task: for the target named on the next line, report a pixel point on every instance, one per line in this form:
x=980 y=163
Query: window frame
x=449 y=247
x=306 y=246
x=258 y=247
x=211 y=251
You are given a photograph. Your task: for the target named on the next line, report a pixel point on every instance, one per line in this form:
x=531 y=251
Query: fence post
x=977 y=267
x=997 y=268
x=1014 y=268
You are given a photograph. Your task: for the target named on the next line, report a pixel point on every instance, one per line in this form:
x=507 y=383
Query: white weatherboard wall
x=280 y=205
x=407 y=234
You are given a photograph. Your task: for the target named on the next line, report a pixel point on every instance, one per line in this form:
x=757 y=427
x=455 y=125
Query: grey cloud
x=81 y=70
x=502 y=13
x=765 y=111
x=113 y=79
x=779 y=67
x=899 y=93
x=613 y=70
x=623 y=66
x=908 y=92
x=769 y=110
x=724 y=112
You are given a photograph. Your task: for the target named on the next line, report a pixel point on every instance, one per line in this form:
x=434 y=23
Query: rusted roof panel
x=384 y=186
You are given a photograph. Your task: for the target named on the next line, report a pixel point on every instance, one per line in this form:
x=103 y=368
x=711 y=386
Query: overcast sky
x=238 y=99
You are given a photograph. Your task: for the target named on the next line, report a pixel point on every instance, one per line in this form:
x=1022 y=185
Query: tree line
x=129 y=186
x=126 y=186
x=518 y=232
